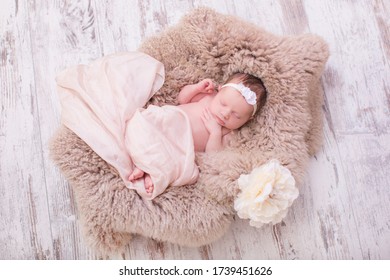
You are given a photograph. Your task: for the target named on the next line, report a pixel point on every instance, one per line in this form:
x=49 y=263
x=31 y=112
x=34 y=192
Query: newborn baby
x=152 y=148
x=214 y=111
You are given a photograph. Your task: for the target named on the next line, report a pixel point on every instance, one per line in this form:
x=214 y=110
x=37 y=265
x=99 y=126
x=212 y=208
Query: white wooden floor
x=343 y=211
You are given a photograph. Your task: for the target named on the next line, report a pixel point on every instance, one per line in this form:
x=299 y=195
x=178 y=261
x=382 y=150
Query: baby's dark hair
x=254 y=83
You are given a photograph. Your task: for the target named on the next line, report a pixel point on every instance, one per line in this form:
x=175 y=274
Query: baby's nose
x=226 y=115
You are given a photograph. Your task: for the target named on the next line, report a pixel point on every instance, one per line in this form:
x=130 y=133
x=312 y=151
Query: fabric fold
x=99 y=102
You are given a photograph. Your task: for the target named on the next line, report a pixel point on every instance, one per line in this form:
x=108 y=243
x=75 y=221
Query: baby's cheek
x=213 y=109
x=237 y=124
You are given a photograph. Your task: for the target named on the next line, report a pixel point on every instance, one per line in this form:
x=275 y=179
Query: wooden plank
x=25 y=231
x=357 y=66
x=366 y=160
x=63 y=34
x=381 y=12
x=355 y=111
x=294 y=17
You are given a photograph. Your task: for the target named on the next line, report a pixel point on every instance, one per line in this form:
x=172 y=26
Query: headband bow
x=247 y=93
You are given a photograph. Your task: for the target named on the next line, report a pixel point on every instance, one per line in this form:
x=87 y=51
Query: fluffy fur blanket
x=288 y=128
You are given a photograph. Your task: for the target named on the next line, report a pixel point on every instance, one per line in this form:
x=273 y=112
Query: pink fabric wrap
x=102 y=103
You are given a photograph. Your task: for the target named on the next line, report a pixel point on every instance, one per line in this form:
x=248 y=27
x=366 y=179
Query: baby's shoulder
x=207 y=98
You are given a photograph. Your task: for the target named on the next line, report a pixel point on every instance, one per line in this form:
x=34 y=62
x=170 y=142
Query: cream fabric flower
x=266 y=193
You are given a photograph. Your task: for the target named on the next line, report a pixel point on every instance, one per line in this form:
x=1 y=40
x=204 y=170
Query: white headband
x=247 y=93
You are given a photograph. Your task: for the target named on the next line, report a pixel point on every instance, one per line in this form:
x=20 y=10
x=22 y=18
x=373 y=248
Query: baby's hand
x=207 y=86
x=210 y=123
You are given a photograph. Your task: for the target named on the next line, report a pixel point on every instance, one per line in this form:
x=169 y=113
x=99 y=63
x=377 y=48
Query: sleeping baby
x=152 y=148
x=214 y=112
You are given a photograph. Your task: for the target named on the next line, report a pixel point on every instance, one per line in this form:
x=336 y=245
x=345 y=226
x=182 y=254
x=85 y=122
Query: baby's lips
x=220 y=121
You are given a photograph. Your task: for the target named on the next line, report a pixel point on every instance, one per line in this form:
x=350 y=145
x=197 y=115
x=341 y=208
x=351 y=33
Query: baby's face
x=230 y=108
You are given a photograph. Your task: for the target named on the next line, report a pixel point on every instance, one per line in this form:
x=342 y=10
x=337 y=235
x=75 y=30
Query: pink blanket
x=102 y=103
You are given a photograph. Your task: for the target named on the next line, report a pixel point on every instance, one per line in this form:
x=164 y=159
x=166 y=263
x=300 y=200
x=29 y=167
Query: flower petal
x=266 y=193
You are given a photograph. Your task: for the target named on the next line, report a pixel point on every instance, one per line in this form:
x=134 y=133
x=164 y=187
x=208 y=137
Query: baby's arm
x=195 y=92
x=214 y=144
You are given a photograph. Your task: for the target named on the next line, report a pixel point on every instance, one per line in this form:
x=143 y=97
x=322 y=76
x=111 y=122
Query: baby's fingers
x=204 y=119
x=210 y=87
x=204 y=115
x=207 y=113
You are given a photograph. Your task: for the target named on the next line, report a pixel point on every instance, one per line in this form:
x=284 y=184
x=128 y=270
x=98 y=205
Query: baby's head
x=238 y=100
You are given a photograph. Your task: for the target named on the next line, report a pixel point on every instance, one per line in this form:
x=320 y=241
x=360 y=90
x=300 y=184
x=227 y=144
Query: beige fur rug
x=206 y=44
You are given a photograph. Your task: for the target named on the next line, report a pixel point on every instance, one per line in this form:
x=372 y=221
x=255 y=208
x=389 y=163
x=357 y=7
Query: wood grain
x=343 y=209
